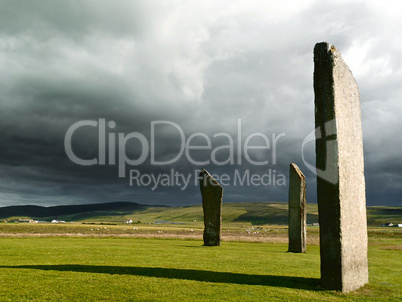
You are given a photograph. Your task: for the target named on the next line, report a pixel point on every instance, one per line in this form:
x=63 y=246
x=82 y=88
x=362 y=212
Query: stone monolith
x=340 y=172
x=212 y=194
x=297 y=210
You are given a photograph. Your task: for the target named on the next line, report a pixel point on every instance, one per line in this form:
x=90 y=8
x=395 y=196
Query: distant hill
x=378 y=215
x=256 y=213
x=71 y=212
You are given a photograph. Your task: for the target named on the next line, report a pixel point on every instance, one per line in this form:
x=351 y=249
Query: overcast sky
x=207 y=67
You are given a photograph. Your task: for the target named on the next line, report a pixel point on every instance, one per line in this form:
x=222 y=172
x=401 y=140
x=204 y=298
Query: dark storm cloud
x=200 y=66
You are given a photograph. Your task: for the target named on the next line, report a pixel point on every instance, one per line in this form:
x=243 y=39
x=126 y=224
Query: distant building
x=26 y=220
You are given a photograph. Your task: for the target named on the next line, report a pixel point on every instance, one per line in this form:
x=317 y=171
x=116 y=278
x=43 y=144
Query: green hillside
x=256 y=213
x=380 y=215
x=71 y=212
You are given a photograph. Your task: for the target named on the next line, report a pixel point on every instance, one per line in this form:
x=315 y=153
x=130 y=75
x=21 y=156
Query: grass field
x=99 y=258
x=114 y=268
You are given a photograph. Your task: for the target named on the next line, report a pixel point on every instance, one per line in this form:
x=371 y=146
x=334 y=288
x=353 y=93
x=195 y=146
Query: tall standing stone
x=297 y=210
x=340 y=172
x=212 y=194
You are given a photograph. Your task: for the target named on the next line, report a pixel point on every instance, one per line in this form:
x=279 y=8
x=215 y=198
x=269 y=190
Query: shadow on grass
x=184 y=274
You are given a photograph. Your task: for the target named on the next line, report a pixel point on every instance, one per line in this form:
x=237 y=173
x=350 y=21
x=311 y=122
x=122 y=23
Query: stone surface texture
x=340 y=172
x=212 y=194
x=297 y=210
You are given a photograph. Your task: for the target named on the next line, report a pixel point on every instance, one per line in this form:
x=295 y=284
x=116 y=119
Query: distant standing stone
x=297 y=210
x=340 y=172
x=212 y=194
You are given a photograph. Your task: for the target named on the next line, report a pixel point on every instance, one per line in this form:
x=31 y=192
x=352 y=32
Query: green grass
x=126 y=269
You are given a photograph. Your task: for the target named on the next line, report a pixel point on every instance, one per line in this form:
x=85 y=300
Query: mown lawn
x=133 y=269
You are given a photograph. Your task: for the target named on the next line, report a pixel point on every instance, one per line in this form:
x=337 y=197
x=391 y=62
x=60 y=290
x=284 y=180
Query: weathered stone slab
x=212 y=194
x=297 y=210
x=340 y=172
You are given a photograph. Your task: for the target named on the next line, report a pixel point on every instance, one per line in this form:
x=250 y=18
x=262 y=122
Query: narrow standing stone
x=340 y=172
x=212 y=194
x=297 y=210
